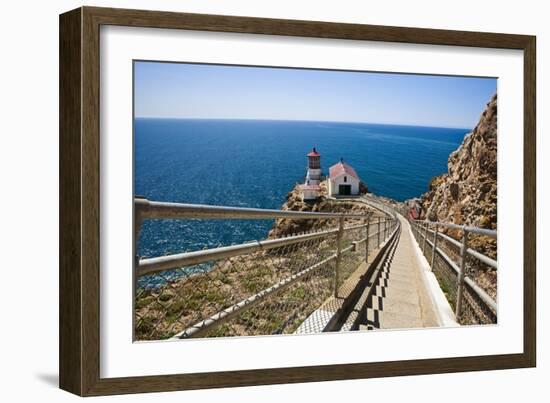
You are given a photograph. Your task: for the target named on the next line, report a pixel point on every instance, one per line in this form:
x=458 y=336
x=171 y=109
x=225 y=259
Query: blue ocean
x=255 y=163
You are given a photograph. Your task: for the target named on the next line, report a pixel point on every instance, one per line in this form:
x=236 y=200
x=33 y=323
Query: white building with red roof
x=311 y=189
x=343 y=180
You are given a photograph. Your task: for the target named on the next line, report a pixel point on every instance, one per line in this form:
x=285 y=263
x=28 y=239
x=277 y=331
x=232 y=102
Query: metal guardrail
x=479 y=302
x=164 y=210
x=153 y=265
x=315 y=262
x=474 y=230
x=472 y=252
x=216 y=291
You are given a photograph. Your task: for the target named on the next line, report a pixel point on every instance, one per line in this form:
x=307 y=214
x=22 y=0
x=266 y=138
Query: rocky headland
x=294 y=202
x=467 y=193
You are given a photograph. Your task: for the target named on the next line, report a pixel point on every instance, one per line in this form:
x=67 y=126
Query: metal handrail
x=203 y=326
x=475 y=230
x=478 y=290
x=165 y=210
x=145 y=209
x=460 y=270
x=157 y=264
x=472 y=252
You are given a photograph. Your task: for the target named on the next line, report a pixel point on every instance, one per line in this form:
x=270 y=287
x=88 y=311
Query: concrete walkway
x=401 y=299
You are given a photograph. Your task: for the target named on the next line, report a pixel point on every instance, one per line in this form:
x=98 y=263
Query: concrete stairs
x=401 y=299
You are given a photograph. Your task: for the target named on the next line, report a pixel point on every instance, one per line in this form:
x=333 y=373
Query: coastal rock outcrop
x=294 y=202
x=467 y=193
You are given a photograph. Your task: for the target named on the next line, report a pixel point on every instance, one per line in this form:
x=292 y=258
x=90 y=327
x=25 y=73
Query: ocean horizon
x=296 y=120
x=255 y=163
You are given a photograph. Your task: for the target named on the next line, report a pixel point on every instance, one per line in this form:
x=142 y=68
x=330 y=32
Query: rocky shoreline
x=294 y=202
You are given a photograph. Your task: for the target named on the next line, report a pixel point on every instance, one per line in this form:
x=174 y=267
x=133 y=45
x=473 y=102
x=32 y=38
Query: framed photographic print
x=250 y=201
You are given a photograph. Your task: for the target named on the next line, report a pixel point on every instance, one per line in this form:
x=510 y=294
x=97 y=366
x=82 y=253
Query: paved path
x=401 y=299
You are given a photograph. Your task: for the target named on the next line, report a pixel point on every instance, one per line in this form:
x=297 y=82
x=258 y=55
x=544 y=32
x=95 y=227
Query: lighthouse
x=310 y=189
x=313 y=176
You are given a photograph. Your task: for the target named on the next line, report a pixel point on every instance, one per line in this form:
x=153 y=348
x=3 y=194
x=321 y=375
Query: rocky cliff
x=294 y=202
x=467 y=193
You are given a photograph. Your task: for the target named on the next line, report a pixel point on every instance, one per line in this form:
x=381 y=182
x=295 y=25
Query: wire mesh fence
x=353 y=253
x=269 y=288
x=446 y=276
x=475 y=310
x=477 y=304
x=171 y=301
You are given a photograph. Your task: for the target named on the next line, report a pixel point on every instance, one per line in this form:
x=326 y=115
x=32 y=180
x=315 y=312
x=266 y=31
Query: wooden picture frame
x=80 y=199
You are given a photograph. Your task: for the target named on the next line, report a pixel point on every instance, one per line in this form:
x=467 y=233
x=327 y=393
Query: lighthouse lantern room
x=314 y=167
x=310 y=189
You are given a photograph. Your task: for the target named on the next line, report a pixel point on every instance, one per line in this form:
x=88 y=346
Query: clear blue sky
x=180 y=90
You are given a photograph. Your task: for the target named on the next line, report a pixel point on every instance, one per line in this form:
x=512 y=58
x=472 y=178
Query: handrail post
x=425 y=237
x=378 y=234
x=386 y=228
x=367 y=241
x=138 y=219
x=339 y=236
x=434 y=246
x=461 y=274
x=139 y=207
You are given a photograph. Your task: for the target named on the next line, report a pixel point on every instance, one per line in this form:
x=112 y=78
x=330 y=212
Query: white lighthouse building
x=343 y=180
x=311 y=189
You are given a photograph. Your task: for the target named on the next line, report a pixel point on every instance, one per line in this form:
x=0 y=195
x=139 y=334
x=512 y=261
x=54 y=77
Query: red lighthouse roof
x=313 y=153
x=342 y=169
